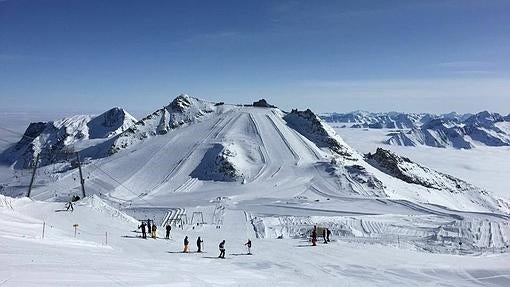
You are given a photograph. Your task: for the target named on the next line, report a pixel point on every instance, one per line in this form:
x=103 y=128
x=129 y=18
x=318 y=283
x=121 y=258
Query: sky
x=411 y=56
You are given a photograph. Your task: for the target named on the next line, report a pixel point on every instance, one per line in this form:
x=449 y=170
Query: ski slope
x=249 y=172
x=124 y=259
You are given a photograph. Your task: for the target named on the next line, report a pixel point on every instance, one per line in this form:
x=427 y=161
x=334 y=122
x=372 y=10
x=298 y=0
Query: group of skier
x=221 y=246
x=326 y=233
x=152 y=228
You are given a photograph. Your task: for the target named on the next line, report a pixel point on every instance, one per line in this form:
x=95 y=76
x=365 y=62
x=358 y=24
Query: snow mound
x=356 y=178
x=96 y=203
x=221 y=163
x=5 y=202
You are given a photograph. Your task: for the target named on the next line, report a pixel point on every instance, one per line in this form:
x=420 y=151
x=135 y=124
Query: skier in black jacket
x=248 y=244
x=199 y=244
x=186 y=243
x=168 y=228
x=144 y=233
x=222 y=249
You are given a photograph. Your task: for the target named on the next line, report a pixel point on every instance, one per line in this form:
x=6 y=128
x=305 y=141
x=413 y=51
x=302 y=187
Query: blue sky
x=430 y=56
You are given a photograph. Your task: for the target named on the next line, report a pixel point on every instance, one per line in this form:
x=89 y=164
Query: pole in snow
x=82 y=181
x=33 y=175
x=75 y=228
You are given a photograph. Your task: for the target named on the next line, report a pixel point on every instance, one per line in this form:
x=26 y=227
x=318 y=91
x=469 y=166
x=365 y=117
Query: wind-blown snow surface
x=256 y=173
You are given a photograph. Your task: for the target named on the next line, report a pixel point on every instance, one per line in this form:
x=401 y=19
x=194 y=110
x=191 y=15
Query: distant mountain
x=391 y=120
x=461 y=131
x=54 y=141
x=484 y=128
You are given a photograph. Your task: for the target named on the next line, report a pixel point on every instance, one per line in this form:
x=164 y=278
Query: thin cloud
x=464 y=64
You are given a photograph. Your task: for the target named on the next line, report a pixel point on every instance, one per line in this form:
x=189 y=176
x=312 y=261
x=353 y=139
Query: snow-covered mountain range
x=57 y=140
x=257 y=159
x=447 y=130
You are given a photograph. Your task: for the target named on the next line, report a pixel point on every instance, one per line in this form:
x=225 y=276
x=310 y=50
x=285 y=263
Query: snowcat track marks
x=212 y=134
x=287 y=144
x=262 y=149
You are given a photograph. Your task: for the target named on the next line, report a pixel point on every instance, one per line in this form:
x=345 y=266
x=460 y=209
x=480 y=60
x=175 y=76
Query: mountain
x=461 y=131
x=272 y=170
x=484 y=128
x=363 y=119
x=56 y=140
x=181 y=111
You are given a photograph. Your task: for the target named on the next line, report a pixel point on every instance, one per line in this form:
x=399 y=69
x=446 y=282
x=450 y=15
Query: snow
x=485 y=167
x=128 y=260
x=252 y=173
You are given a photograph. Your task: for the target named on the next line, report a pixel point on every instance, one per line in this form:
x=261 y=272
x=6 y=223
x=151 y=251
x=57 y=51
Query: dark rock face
x=411 y=172
x=389 y=163
x=262 y=103
x=310 y=126
x=180 y=103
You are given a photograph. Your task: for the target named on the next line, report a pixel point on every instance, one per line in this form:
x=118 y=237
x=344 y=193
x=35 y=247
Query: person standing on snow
x=144 y=234
x=69 y=205
x=168 y=228
x=248 y=244
x=324 y=235
x=149 y=226
x=222 y=249
x=186 y=243
x=154 y=229
x=314 y=236
x=328 y=234
x=199 y=244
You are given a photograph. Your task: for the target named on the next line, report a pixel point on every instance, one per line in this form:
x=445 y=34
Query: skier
x=149 y=226
x=70 y=205
x=324 y=235
x=314 y=236
x=144 y=234
x=222 y=249
x=328 y=235
x=168 y=228
x=248 y=244
x=154 y=229
x=186 y=243
x=199 y=244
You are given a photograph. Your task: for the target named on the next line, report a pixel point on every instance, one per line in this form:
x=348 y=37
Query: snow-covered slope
x=263 y=162
x=107 y=249
x=181 y=111
x=413 y=173
x=55 y=141
x=232 y=172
